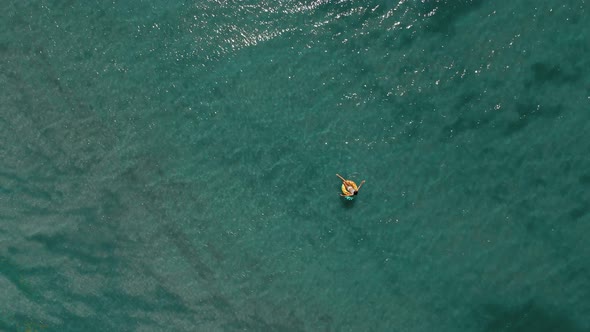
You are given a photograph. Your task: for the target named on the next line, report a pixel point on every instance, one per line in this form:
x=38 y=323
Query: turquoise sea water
x=170 y=166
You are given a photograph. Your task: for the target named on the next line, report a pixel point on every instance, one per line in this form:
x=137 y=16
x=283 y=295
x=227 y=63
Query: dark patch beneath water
x=542 y=73
x=529 y=317
x=446 y=14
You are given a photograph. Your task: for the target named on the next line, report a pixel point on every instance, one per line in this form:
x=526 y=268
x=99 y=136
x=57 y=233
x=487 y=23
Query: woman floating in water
x=349 y=188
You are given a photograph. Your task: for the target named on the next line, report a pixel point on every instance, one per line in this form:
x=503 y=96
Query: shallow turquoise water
x=172 y=167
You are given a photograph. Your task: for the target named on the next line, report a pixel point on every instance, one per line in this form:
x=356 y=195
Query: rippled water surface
x=170 y=166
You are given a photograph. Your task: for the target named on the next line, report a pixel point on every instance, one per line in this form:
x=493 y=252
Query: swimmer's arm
x=359 y=188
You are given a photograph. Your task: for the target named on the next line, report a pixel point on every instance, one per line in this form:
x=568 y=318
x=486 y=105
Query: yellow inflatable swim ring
x=346 y=184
